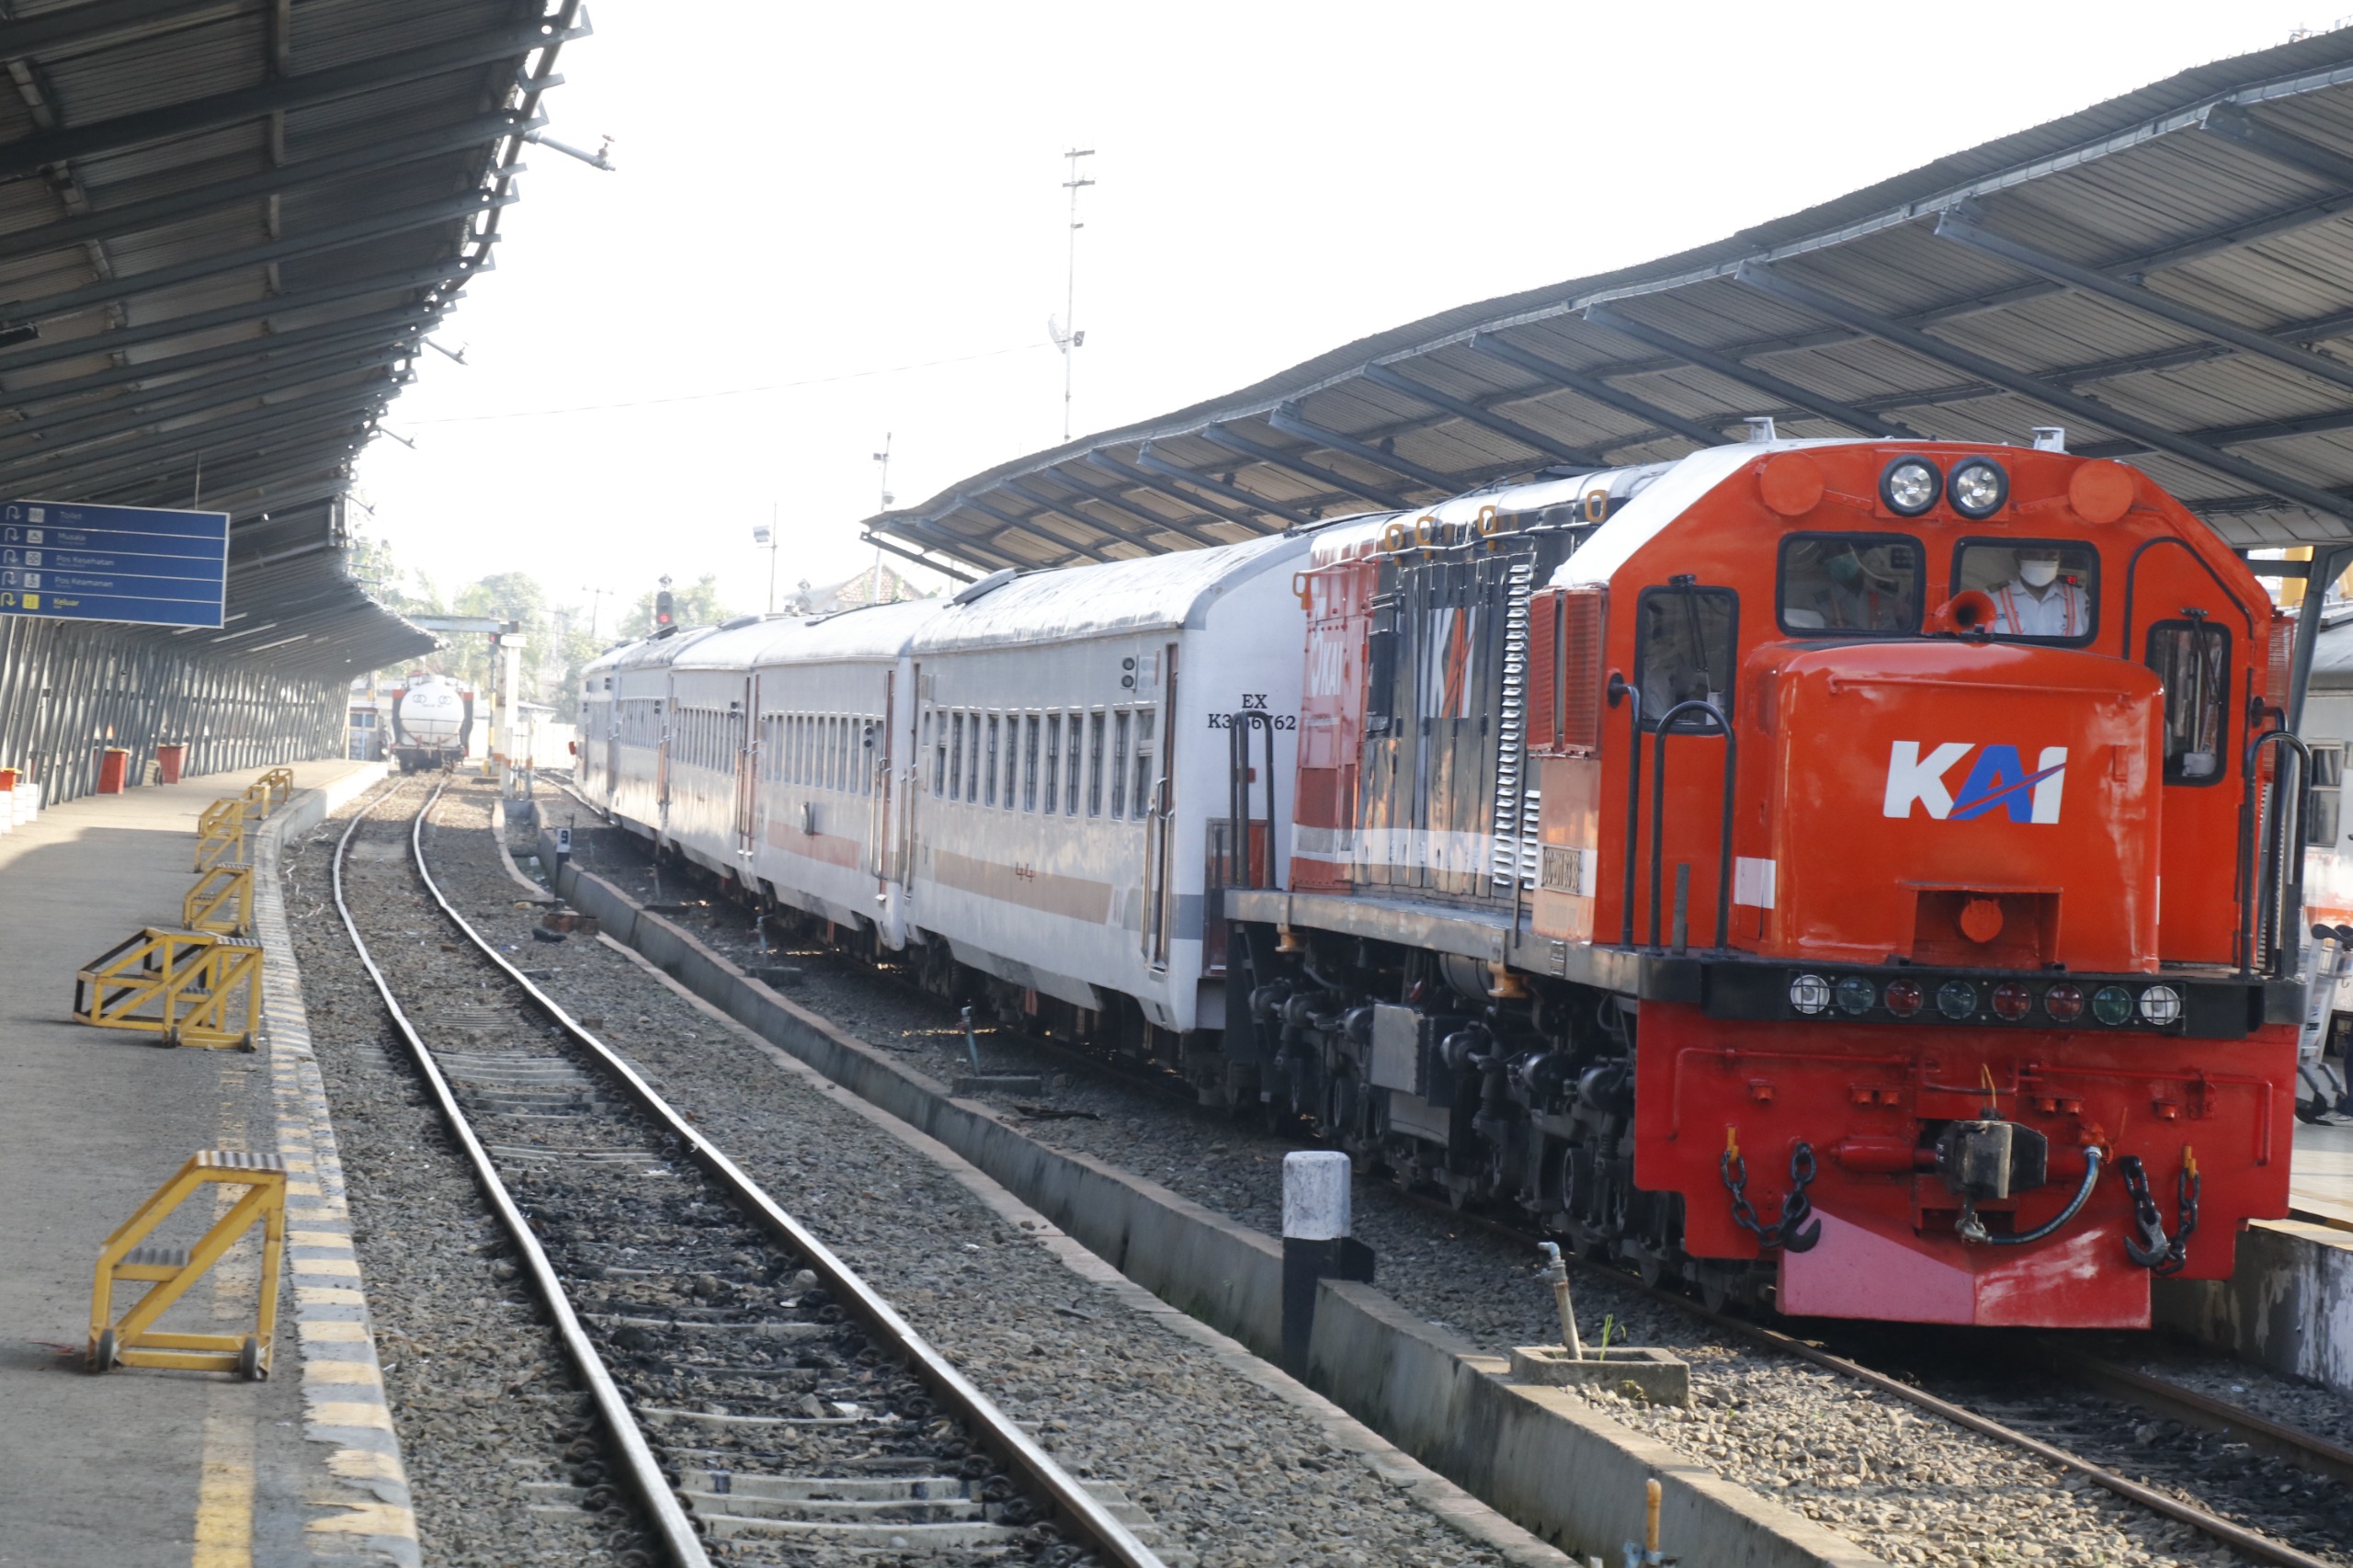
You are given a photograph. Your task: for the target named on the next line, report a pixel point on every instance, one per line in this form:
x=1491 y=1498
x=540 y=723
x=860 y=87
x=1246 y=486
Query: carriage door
x=877 y=784
x=917 y=693
x=612 y=740
x=745 y=721
x=1159 y=776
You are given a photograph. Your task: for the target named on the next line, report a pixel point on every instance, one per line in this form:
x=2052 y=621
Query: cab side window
x=2193 y=659
x=2322 y=816
x=1684 y=640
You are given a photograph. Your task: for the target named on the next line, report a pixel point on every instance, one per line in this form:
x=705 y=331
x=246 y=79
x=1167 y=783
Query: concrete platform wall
x=2288 y=1308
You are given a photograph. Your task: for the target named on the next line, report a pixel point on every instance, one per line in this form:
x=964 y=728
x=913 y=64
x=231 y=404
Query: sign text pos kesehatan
x=68 y=562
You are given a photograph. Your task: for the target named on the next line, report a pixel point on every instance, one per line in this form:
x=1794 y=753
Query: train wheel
x=1650 y=1267
x=1713 y=1290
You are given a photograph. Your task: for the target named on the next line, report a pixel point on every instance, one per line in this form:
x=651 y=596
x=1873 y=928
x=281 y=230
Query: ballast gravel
x=479 y=1393
x=1902 y=1484
x=1228 y=1473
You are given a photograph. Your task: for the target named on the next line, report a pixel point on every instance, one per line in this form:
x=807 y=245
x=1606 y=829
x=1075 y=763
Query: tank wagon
x=1857 y=877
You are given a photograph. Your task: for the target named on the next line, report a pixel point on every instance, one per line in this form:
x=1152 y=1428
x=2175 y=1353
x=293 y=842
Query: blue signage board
x=67 y=562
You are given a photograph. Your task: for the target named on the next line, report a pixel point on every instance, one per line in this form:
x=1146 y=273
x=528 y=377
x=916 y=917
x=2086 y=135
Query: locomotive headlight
x=2112 y=1005
x=1810 y=994
x=1910 y=486
x=2065 y=1003
x=2161 y=1005
x=1856 y=996
x=1979 y=487
x=2011 y=1000
x=1903 y=998
x=1956 y=999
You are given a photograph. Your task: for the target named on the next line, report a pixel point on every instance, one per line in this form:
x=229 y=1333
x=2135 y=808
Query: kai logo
x=1996 y=781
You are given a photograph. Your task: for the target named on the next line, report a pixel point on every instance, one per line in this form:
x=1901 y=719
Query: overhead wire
x=727 y=391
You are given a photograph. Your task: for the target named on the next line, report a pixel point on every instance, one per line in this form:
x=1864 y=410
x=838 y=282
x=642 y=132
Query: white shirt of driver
x=2058 y=612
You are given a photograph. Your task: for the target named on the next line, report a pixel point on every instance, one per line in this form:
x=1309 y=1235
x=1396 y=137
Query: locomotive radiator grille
x=1514 y=861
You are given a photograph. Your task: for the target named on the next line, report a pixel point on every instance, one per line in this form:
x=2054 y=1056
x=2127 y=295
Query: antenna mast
x=882 y=457
x=1067 y=337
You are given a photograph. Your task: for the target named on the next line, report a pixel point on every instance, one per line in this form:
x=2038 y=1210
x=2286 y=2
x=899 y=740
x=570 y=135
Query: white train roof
x=1153 y=592
x=875 y=632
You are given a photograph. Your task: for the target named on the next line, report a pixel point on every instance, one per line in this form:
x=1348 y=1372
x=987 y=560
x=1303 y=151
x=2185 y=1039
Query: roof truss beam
x=1287 y=419
x=326 y=337
x=1961 y=228
x=1938 y=351
x=133 y=217
x=956 y=570
x=1068 y=549
x=1105 y=498
x=276 y=385
x=1233 y=441
x=1594 y=388
x=1731 y=370
x=223 y=110
x=1152 y=462
x=1486 y=419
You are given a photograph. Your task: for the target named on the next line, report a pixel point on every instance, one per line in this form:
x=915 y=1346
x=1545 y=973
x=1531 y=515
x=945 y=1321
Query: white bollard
x=1317 y=1243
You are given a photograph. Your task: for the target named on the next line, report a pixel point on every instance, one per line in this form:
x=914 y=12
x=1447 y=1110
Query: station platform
x=2321 y=1185
x=141 y=1468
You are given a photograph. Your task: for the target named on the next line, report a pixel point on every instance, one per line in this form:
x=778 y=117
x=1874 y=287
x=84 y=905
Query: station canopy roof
x=2168 y=275
x=225 y=228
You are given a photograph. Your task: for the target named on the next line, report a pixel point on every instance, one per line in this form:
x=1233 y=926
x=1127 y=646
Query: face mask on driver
x=2038 y=573
x=1844 y=569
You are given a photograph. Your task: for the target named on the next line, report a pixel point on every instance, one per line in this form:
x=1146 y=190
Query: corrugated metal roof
x=2168 y=274
x=225 y=227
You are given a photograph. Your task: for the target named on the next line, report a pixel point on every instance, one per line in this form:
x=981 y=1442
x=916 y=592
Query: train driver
x=2037 y=601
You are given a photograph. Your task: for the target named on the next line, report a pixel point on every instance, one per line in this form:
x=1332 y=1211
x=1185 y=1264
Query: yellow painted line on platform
x=328 y=1296
x=225 y=1498
x=318 y=1371
x=333 y=1267
x=331 y=1331
x=352 y=1413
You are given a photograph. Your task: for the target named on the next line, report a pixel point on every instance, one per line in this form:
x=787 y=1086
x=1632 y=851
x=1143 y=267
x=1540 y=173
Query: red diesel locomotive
x=1857 y=876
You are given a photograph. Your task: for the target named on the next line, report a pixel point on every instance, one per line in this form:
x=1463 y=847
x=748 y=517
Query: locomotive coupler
x=2153 y=1250
x=1992 y=1160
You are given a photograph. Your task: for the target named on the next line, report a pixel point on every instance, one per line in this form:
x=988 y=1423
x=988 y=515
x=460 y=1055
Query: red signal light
x=1903 y=998
x=2011 y=1000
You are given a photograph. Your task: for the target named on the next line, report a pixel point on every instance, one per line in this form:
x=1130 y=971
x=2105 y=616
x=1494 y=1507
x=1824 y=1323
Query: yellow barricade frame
x=132 y=1340
x=221 y=833
x=220 y=902
x=271 y=791
x=177 y=984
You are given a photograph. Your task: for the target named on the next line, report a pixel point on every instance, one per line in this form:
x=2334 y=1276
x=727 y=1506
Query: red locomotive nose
x=1960 y=801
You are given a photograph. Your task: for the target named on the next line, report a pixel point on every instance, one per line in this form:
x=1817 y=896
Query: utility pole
x=1065 y=332
x=765 y=538
x=596 y=602
x=882 y=457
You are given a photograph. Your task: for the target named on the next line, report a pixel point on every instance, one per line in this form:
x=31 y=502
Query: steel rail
x=668 y=1514
x=1073 y=1505
x=2306 y=1450
x=2246 y=1542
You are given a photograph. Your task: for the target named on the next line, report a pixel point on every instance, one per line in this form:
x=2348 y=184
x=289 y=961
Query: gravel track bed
x=745 y=1372
x=1228 y=1473
x=1902 y=1484
x=481 y=1393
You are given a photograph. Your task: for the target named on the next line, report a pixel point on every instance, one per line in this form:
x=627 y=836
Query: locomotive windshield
x=1850 y=583
x=2043 y=590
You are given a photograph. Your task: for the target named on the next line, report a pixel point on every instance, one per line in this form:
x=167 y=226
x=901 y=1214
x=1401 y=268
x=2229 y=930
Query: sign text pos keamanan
x=68 y=562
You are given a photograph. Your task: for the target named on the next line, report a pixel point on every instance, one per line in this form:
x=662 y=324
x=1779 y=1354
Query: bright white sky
x=813 y=199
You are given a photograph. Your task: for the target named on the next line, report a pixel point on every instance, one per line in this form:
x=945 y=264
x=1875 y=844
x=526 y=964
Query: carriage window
x=973 y=761
x=1846 y=584
x=2193 y=659
x=1095 y=765
x=2322 y=819
x=1030 y=763
x=2044 y=589
x=956 y=762
x=1013 y=762
x=1120 y=765
x=939 y=759
x=1142 y=792
x=992 y=773
x=1685 y=645
x=1053 y=756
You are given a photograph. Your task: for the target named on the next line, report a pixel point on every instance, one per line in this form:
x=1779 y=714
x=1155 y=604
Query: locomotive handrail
x=2132 y=567
x=1621 y=689
x=1239 y=725
x=1658 y=812
x=2270 y=890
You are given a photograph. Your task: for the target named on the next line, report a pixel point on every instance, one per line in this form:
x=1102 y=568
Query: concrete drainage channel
x=1539 y=1455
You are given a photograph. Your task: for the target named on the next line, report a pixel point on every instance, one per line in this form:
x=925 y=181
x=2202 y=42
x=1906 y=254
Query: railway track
x=2324 y=1460
x=2039 y=1423
x=761 y=1403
